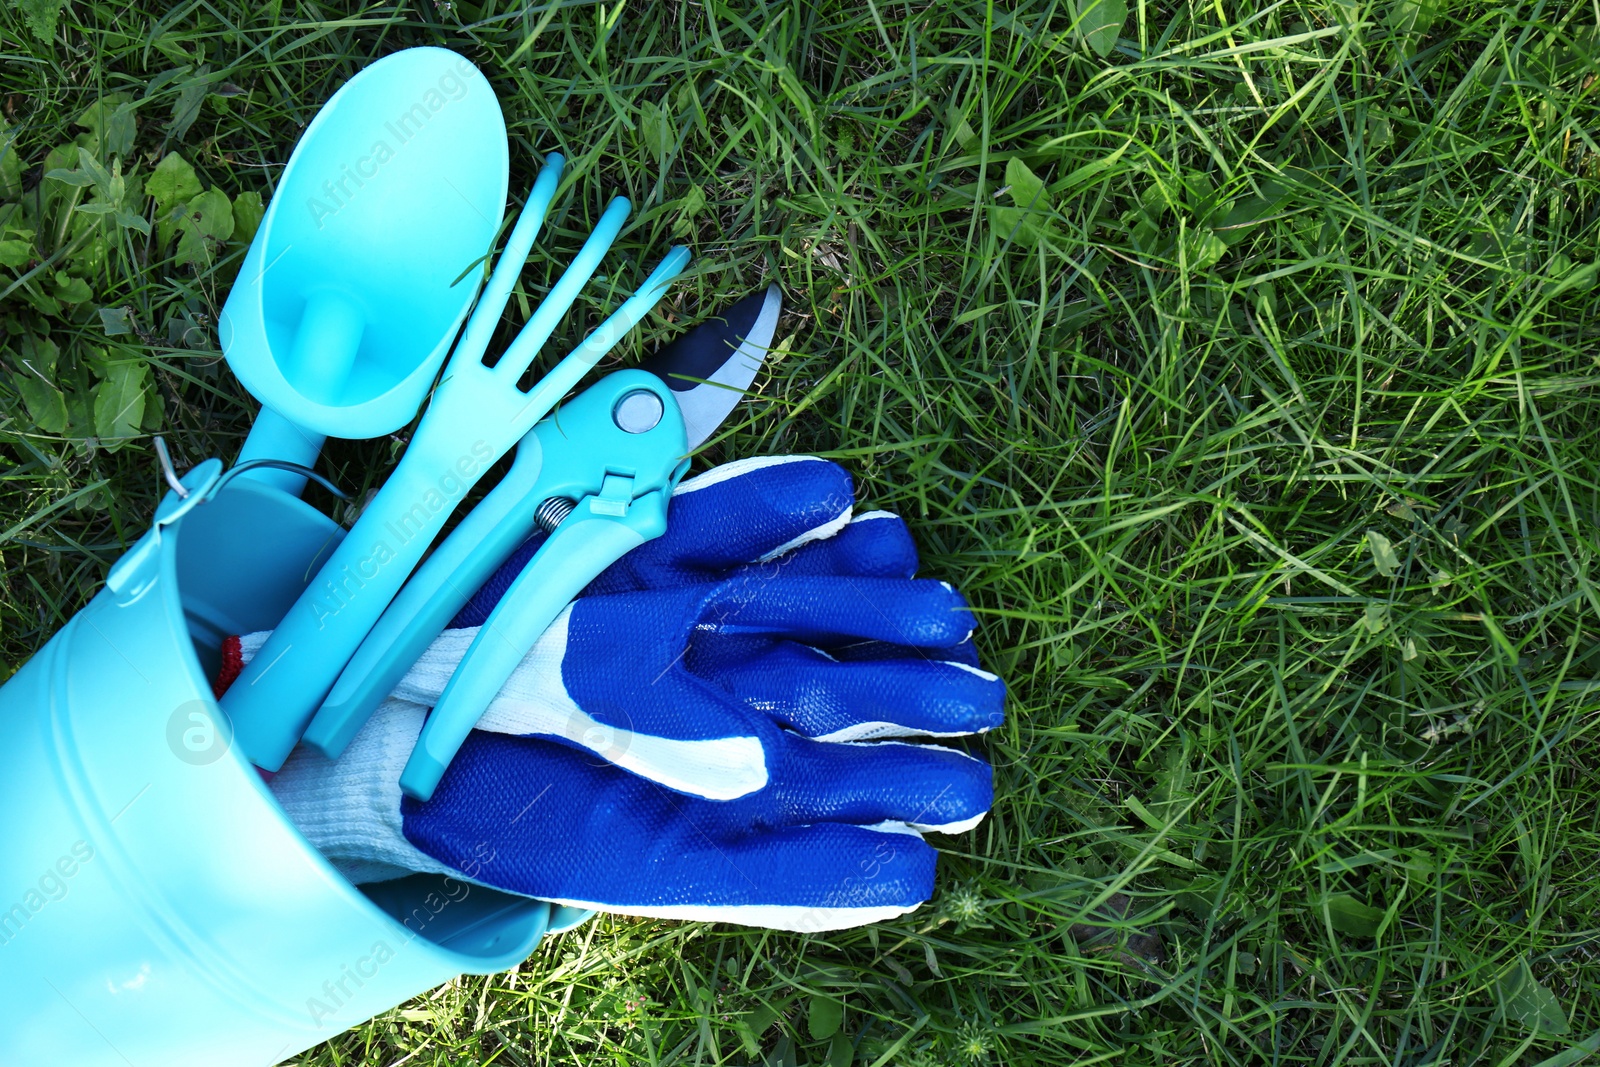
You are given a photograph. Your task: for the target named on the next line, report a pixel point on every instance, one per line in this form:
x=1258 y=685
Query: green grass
x=1245 y=378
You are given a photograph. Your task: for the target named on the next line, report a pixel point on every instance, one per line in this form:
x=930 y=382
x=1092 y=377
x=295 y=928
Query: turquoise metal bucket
x=156 y=906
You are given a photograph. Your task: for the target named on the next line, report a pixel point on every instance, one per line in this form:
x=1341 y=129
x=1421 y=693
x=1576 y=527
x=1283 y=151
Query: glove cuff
x=349 y=809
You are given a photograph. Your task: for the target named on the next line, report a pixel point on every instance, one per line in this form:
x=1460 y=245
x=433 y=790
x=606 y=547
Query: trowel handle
x=274 y=698
x=436 y=593
x=325 y=347
x=275 y=437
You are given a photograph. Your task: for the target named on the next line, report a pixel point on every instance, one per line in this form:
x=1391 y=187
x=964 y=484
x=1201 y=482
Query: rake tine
x=520 y=354
x=566 y=374
x=492 y=302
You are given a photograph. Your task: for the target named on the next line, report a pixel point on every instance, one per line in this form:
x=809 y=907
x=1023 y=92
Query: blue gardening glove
x=767 y=612
x=835 y=840
x=690 y=641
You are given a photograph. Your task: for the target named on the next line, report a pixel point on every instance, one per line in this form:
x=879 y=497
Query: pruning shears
x=596 y=475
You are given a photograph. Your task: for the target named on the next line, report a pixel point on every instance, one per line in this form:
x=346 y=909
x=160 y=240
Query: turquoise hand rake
x=478 y=413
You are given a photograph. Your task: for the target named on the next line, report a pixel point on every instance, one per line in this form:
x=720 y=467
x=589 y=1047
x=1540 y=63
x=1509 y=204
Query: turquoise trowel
x=365 y=264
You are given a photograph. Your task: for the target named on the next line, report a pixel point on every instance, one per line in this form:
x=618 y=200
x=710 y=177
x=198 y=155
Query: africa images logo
x=337 y=591
x=53 y=885
x=339 y=191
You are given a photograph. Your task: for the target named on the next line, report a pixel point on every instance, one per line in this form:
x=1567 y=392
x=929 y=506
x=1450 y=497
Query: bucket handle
x=134 y=571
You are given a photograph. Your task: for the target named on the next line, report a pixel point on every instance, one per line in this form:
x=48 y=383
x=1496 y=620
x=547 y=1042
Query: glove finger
x=877 y=651
x=875 y=545
x=827 y=609
x=805 y=878
x=811 y=878
x=818 y=696
x=537 y=819
x=735 y=514
x=887 y=784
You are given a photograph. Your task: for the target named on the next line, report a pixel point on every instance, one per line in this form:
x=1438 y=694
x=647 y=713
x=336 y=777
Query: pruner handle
x=441 y=587
x=590 y=539
x=615 y=453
